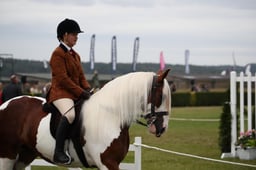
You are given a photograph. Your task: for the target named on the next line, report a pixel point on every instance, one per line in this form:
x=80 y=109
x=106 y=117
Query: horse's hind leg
x=7 y=164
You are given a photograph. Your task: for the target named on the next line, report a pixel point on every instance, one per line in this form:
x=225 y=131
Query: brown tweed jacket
x=68 y=80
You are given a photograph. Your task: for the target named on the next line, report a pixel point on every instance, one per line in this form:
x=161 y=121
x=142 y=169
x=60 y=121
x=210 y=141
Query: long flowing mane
x=122 y=100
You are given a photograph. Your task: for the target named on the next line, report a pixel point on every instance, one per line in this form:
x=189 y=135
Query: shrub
x=225 y=129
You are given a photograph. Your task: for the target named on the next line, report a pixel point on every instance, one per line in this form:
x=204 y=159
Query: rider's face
x=70 y=39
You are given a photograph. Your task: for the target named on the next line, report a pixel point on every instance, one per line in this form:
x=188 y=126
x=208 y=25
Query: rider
x=68 y=83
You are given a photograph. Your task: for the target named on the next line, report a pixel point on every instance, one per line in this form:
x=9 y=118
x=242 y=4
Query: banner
x=45 y=63
x=162 y=62
x=247 y=69
x=113 y=53
x=92 y=52
x=234 y=61
x=187 y=53
x=135 y=53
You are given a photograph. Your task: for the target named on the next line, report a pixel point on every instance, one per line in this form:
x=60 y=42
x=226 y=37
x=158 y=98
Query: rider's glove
x=85 y=95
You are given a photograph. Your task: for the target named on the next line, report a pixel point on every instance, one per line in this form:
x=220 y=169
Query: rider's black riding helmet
x=67 y=26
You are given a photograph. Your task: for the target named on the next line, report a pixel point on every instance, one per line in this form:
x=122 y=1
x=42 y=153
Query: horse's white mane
x=125 y=96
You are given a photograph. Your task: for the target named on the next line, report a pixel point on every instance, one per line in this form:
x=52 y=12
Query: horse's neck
x=131 y=97
x=123 y=99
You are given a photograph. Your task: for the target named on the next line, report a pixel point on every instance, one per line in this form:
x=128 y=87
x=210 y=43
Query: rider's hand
x=85 y=95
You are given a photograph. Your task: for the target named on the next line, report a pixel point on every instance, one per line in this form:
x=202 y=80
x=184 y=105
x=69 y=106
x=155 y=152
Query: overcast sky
x=213 y=30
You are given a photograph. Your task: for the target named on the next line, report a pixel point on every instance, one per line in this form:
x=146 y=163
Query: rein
x=78 y=102
x=141 y=123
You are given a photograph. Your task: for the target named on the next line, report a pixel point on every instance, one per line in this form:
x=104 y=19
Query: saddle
x=76 y=131
x=75 y=127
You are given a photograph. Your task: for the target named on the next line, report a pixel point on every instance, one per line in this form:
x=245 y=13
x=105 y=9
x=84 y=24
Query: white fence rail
x=242 y=80
x=136 y=148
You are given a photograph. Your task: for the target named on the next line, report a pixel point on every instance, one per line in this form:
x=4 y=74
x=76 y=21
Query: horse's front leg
x=7 y=164
x=110 y=165
x=110 y=160
x=116 y=152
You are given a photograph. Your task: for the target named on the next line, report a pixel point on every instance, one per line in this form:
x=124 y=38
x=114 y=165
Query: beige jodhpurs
x=64 y=105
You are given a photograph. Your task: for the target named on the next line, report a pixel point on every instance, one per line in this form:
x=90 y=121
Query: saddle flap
x=76 y=126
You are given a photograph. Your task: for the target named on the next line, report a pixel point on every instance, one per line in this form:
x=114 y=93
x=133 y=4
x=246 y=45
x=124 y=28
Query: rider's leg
x=67 y=118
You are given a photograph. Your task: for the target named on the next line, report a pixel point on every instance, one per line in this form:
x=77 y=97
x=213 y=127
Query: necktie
x=72 y=52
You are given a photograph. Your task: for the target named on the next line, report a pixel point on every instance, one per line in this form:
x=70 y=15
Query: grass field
x=186 y=136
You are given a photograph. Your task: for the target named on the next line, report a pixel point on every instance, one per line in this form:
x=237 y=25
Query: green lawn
x=192 y=137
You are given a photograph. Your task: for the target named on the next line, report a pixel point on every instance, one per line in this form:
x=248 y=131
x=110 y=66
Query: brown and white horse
x=105 y=120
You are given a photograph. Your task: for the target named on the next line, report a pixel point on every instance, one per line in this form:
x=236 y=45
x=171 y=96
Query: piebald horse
x=104 y=123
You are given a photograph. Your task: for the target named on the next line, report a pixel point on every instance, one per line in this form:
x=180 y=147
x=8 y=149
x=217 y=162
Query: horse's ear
x=163 y=75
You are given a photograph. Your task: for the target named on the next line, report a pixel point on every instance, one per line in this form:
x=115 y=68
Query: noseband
x=151 y=117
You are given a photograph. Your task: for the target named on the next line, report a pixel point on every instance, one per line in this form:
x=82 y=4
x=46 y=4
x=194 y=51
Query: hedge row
x=202 y=98
x=199 y=98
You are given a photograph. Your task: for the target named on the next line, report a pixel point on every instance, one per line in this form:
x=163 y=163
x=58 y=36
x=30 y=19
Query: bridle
x=151 y=117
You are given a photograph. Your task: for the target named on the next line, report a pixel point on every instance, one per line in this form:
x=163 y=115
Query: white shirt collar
x=68 y=48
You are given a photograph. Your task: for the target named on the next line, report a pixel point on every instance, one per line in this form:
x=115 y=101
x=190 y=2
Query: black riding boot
x=59 y=155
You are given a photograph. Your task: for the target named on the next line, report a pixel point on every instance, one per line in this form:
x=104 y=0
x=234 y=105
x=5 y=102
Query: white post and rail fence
x=136 y=148
x=241 y=84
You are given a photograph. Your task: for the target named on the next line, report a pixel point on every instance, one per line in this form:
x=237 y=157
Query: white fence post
x=136 y=147
x=241 y=102
x=255 y=99
x=137 y=153
x=233 y=112
x=249 y=79
x=249 y=100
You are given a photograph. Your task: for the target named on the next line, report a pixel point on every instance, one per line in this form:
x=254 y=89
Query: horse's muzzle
x=157 y=129
x=161 y=132
x=155 y=122
x=159 y=124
